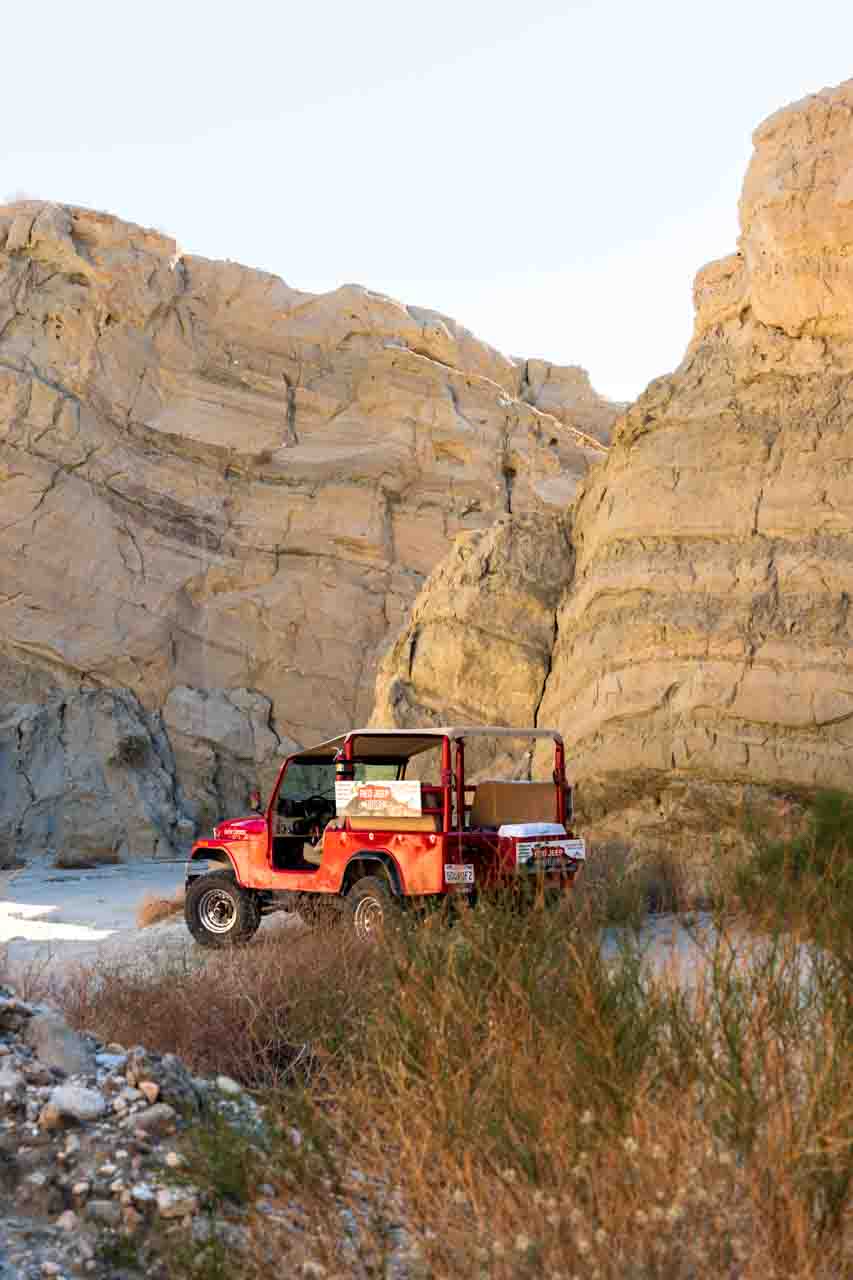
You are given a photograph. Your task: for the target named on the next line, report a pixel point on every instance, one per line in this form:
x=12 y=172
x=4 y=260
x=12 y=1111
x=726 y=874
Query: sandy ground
x=52 y=920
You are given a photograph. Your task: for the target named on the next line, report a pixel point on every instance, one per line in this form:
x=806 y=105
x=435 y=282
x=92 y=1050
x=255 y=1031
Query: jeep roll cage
x=398 y=746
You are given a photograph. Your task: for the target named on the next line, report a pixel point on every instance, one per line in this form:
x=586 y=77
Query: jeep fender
x=196 y=866
x=365 y=863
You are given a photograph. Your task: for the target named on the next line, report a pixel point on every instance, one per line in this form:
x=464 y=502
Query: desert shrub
x=622 y=887
x=803 y=882
x=153 y=909
x=132 y=751
x=244 y=1012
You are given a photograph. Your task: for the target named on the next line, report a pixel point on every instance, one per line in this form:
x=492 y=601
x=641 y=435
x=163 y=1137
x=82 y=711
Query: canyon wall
x=219 y=498
x=222 y=501
x=701 y=658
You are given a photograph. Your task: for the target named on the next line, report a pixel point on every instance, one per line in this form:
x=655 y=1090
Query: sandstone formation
x=436 y=671
x=219 y=498
x=703 y=645
x=478 y=646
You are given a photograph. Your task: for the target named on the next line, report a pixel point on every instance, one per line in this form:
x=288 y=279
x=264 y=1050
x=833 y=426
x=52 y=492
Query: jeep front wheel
x=218 y=912
x=369 y=905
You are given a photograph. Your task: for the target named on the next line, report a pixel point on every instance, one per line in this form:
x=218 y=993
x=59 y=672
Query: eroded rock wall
x=215 y=488
x=702 y=658
x=478 y=644
x=704 y=651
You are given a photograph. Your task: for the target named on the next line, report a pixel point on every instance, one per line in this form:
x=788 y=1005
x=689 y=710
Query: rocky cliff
x=219 y=498
x=702 y=637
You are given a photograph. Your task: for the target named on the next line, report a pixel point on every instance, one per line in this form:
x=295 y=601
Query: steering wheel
x=317 y=809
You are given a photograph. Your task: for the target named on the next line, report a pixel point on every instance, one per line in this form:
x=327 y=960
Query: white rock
x=78 y=1102
x=142 y=1193
x=176 y=1202
x=11 y=1081
x=57 y=1045
x=112 y=1061
x=226 y=1085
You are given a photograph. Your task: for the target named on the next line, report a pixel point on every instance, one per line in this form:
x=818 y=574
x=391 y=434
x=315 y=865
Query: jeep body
x=345 y=825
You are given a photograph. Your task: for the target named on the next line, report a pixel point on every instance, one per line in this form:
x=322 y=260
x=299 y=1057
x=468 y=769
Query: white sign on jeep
x=549 y=853
x=387 y=799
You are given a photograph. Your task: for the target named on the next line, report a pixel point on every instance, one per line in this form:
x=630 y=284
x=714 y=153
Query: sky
x=552 y=175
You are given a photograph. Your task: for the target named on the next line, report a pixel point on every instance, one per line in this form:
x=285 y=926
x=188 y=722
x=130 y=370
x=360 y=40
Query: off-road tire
x=219 y=913
x=369 y=907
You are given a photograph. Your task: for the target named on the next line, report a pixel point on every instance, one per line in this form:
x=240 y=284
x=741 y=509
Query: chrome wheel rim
x=368 y=917
x=217 y=911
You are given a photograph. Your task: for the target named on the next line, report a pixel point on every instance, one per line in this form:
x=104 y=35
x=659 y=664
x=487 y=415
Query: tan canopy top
x=402 y=744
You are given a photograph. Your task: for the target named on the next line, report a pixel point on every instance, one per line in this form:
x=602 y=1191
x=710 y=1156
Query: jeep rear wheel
x=219 y=913
x=369 y=905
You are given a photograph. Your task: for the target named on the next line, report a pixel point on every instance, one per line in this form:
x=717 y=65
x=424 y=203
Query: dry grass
x=153 y=909
x=498 y=1100
x=623 y=888
x=245 y=1012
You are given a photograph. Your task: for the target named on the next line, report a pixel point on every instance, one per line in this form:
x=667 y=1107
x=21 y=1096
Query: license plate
x=455 y=874
x=549 y=855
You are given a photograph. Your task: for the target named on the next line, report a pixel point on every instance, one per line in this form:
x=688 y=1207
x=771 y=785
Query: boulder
x=56 y=1045
x=158 y=1121
x=89 y=778
x=78 y=1102
x=477 y=647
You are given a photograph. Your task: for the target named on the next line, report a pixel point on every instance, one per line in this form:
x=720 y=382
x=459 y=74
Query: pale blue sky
x=551 y=174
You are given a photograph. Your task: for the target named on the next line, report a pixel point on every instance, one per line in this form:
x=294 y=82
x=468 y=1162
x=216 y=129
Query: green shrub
x=805 y=881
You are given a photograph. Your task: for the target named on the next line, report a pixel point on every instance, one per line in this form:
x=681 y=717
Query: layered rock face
x=703 y=647
x=478 y=645
x=218 y=499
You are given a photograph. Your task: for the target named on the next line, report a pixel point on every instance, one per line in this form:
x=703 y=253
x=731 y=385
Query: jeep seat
x=498 y=803
x=426 y=822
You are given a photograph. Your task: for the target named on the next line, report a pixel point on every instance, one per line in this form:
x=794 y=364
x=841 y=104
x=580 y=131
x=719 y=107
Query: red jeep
x=344 y=825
